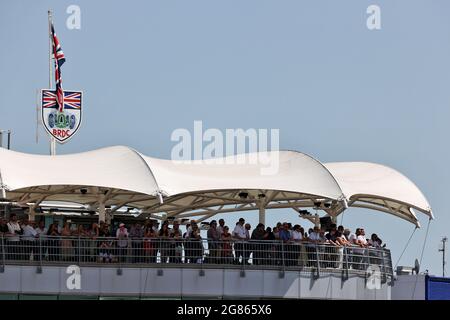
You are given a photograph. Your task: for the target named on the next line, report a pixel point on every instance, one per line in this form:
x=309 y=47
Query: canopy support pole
x=101 y=209
x=262 y=212
x=108 y=217
x=316 y=220
x=32 y=213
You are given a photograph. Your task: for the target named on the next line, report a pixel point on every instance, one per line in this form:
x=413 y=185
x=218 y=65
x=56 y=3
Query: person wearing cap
x=122 y=242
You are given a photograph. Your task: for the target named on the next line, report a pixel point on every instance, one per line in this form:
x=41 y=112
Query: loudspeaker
x=325 y=223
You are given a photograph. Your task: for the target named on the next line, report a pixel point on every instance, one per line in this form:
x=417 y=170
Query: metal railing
x=192 y=253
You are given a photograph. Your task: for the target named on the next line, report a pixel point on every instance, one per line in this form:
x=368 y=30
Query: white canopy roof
x=119 y=176
x=375 y=186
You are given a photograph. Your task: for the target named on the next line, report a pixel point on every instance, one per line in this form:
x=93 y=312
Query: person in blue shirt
x=285 y=236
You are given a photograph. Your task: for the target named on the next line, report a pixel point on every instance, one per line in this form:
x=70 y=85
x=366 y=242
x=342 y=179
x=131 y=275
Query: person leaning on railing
x=359 y=253
x=377 y=252
x=313 y=240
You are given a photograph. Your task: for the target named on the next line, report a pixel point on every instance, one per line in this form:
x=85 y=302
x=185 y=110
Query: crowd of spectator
x=151 y=242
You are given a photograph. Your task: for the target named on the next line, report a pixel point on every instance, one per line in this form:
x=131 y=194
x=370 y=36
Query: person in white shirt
x=297 y=236
x=313 y=239
x=29 y=240
x=296 y=239
x=41 y=230
x=41 y=233
x=239 y=233
x=14 y=232
x=359 y=252
x=122 y=242
x=29 y=234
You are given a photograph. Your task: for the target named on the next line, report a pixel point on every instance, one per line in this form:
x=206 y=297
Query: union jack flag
x=72 y=100
x=58 y=54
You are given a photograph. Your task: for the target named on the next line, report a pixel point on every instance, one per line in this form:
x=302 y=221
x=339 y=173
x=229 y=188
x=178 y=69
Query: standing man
x=240 y=235
x=14 y=232
x=220 y=227
x=213 y=236
x=122 y=242
x=259 y=248
x=137 y=235
x=176 y=249
x=29 y=240
x=41 y=232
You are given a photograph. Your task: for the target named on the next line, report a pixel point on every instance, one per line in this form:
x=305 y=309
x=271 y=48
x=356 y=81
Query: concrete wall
x=184 y=282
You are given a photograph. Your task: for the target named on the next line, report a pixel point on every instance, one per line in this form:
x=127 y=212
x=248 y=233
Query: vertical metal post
x=444 y=240
x=101 y=208
x=317 y=260
x=79 y=250
x=39 y=269
x=367 y=254
x=2 y=268
x=383 y=267
x=262 y=212
x=345 y=271
x=50 y=47
x=9 y=139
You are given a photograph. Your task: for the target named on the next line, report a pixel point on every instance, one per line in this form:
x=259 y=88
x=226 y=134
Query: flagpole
x=52 y=139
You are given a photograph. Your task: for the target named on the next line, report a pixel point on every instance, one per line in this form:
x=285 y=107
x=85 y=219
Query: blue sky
x=312 y=69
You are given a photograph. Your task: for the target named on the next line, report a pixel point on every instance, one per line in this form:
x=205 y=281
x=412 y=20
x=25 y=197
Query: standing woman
x=80 y=243
x=197 y=246
x=53 y=243
x=164 y=241
x=66 y=242
x=150 y=250
x=227 y=251
x=93 y=234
